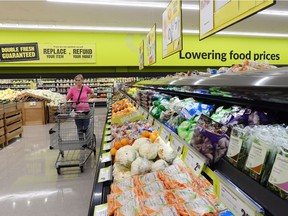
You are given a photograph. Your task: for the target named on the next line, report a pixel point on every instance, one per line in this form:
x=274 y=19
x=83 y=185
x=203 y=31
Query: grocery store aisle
x=30 y=184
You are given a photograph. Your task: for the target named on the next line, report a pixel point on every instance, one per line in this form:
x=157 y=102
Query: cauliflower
x=138 y=142
x=117 y=168
x=140 y=166
x=159 y=165
x=178 y=161
x=126 y=155
x=148 y=151
x=166 y=152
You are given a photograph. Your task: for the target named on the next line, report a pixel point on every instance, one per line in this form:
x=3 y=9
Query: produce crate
x=1 y=109
x=13 y=125
x=10 y=107
x=51 y=113
x=2 y=131
x=33 y=113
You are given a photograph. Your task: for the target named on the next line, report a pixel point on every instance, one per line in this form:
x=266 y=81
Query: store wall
x=118 y=52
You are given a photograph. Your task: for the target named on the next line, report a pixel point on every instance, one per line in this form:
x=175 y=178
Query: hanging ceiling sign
x=141 y=55
x=172 y=29
x=215 y=15
x=151 y=46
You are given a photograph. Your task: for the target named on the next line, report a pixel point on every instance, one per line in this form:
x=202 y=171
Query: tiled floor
x=29 y=183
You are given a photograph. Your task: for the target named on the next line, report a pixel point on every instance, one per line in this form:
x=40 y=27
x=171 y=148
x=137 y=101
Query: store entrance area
x=29 y=181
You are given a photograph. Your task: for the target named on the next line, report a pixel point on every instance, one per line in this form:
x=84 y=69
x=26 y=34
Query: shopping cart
x=75 y=144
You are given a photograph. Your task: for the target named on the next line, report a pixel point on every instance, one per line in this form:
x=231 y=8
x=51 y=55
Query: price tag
x=106 y=146
x=157 y=126
x=33 y=103
x=165 y=134
x=108 y=138
x=101 y=210
x=109 y=121
x=105 y=157
x=150 y=120
x=108 y=126
x=108 y=132
x=105 y=174
x=177 y=145
x=193 y=160
x=235 y=204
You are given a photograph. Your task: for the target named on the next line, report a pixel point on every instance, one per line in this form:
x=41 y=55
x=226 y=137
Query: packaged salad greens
x=239 y=146
x=261 y=156
x=278 y=180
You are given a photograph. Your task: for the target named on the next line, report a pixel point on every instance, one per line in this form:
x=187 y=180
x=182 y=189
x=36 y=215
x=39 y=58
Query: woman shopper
x=80 y=94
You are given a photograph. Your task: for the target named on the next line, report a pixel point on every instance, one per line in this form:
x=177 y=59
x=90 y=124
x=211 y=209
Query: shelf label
x=105 y=157
x=235 y=204
x=177 y=145
x=150 y=120
x=101 y=210
x=157 y=126
x=109 y=121
x=165 y=134
x=33 y=103
x=108 y=132
x=106 y=146
x=105 y=174
x=108 y=126
x=193 y=160
x=108 y=138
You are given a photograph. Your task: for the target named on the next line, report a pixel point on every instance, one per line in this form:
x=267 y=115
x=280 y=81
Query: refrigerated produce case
x=261 y=89
x=266 y=90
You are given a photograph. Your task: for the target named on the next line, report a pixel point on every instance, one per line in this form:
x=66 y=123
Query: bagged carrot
x=200 y=206
x=143 y=180
x=167 y=211
x=123 y=198
x=184 y=195
x=155 y=203
x=169 y=171
x=180 y=180
x=151 y=189
x=123 y=185
x=110 y=201
x=131 y=208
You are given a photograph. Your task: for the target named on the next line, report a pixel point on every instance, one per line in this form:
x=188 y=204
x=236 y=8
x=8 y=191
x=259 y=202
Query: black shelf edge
x=100 y=190
x=272 y=204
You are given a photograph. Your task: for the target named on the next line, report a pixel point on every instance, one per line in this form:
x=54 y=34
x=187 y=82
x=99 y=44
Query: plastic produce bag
x=192 y=109
x=210 y=139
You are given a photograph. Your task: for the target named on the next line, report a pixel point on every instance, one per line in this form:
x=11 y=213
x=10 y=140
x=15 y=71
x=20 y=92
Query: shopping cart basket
x=75 y=144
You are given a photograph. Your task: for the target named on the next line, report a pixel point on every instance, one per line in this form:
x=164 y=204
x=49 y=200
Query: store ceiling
x=42 y=12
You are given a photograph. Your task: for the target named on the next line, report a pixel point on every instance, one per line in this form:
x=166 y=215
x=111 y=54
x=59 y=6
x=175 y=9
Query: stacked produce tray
x=2 y=129
x=12 y=121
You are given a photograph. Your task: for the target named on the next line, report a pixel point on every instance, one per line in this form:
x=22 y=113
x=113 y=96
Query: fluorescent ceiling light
x=126 y=3
x=127 y=30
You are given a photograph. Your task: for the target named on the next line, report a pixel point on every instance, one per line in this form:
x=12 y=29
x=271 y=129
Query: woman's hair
x=79 y=76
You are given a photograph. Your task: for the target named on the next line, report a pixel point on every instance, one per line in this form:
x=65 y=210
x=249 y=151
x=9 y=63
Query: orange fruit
x=125 y=141
x=117 y=145
x=146 y=133
x=113 y=151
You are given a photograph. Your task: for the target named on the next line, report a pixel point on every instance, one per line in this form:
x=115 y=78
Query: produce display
x=32 y=95
x=122 y=107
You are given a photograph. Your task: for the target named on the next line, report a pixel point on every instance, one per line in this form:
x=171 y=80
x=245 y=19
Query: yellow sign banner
x=66 y=53
x=151 y=46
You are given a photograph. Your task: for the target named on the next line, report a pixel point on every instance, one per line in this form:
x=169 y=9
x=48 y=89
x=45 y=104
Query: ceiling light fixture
x=125 y=3
x=127 y=30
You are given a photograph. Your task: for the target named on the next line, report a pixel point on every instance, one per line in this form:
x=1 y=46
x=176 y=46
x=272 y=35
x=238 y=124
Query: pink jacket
x=73 y=94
